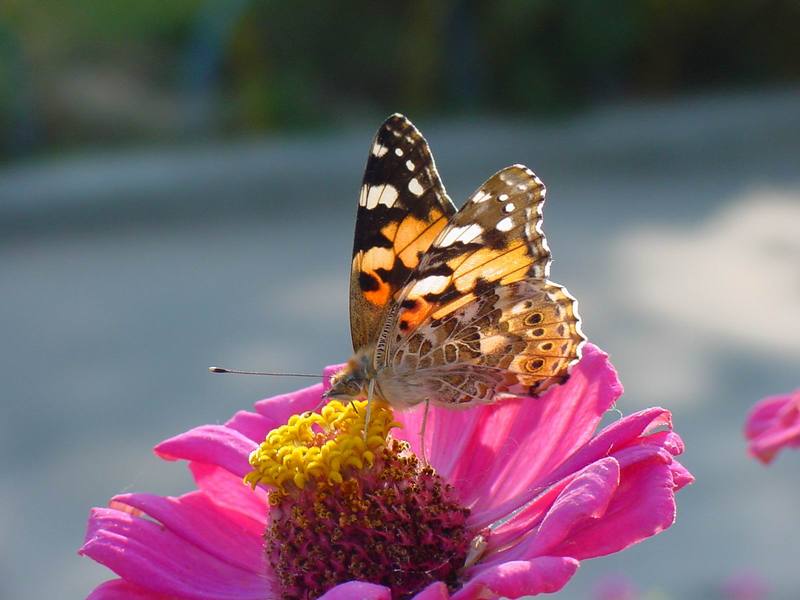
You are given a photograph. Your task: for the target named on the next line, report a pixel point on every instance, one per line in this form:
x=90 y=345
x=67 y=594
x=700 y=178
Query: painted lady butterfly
x=451 y=307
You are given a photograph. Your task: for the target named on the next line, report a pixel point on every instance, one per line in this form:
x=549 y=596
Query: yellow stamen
x=323 y=447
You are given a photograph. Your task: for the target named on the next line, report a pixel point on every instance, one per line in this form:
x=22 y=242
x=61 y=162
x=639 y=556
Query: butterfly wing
x=516 y=339
x=478 y=316
x=402 y=207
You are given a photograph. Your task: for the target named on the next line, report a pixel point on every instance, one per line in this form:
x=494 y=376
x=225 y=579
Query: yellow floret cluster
x=321 y=446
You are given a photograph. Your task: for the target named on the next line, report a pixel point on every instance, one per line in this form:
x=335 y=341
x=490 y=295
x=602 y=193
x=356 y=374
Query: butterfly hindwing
x=478 y=316
x=515 y=339
x=402 y=207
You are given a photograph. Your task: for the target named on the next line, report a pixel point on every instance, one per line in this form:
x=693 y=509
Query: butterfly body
x=451 y=307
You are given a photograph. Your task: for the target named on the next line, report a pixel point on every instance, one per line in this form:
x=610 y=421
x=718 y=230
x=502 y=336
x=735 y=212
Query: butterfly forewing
x=495 y=239
x=402 y=208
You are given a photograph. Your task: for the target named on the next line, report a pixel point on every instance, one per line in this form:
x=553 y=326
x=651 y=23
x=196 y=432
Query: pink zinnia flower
x=521 y=490
x=745 y=585
x=772 y=424
x=615 y=587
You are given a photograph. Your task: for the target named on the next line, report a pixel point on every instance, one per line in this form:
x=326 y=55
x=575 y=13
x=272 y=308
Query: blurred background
x=178 y=183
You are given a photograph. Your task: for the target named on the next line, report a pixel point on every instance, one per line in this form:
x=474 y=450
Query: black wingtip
x=396 y=118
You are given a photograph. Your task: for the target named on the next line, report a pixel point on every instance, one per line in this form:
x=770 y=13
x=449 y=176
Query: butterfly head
x=353 y=379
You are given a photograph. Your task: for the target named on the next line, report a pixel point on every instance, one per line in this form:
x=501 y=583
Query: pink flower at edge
x=744 y=585
x=772 y=424
x=581 y=495
x=615 y=587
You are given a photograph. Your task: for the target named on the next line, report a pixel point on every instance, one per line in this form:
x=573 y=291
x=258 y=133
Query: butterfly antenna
x=239 y=372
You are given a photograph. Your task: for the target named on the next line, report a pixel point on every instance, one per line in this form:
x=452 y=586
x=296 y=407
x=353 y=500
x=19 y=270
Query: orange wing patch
x=410 y=238
x=489 y=264
x=374 y=289
x=414 y=236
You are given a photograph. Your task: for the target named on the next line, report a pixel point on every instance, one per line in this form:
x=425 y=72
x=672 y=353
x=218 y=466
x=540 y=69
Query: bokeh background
x=178 y=184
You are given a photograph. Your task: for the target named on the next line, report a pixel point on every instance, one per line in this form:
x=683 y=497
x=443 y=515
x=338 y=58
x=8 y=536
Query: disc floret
x=320 y=447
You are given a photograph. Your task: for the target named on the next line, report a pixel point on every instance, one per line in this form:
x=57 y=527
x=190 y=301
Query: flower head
x=515 y=495
x=352 y=506
x=772 y=424
x=744 y=585
x=615 y=587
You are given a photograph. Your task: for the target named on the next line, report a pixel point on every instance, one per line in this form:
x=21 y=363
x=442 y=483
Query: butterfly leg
x=370 y=392
x=422 y=431
x=322 y=403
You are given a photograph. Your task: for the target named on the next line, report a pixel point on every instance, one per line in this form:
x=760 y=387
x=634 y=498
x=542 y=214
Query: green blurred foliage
x=91 y=71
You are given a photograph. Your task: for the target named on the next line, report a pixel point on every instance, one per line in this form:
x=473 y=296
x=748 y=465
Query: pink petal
x=213 y=444
x=119 y=589
x=448 y=436
x=252 y=425
x=680 y=475
x=278 y=409
x=357 y=590
x=486 y=468
x=648 y=477
x=225 y=534
x=583 y=500
x=275 y=411
x=643 y=506
x=541 y=575
x=662 y=443
x=766 y=446
x=773 y=424
x=152 y=557
x=229 y=491
x=614 y=437
x=526 y=520
x=435 y=591
x=764 y=413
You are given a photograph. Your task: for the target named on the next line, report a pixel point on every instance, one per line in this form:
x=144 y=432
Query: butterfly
x=451 y=307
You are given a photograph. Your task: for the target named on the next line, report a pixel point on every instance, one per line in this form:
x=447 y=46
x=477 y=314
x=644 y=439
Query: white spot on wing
x=371 y=196
x=481 y=196
x=493 y=343
x=434 y=284
x=509 y=207
x=379 y=150
x=414 y=187
x=398 y=151
x=466 y=234
x=502 y=197
x=505 y=224
x=389 y=196
x=410 y=165
x=519 y=308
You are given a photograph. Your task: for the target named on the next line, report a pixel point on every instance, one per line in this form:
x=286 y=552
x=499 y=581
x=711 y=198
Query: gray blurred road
x=122 y=275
